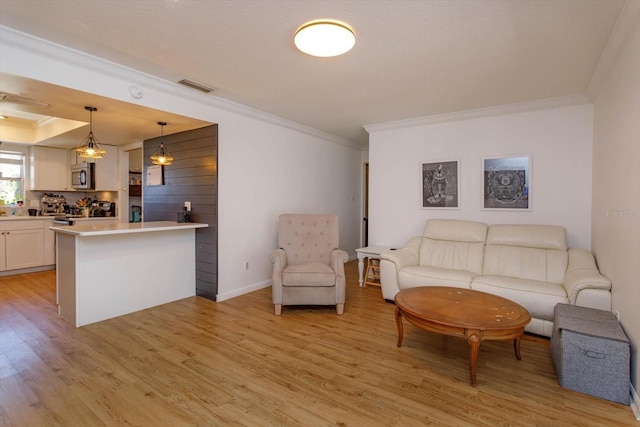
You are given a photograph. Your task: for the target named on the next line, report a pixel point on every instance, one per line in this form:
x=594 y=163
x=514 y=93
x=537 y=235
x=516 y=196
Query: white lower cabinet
x=30 y=243
x=3 y=262
x=22 y=244
x=24 y=249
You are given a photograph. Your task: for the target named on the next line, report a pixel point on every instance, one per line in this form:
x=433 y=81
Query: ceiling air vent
x=17 y=99
x=196 y=86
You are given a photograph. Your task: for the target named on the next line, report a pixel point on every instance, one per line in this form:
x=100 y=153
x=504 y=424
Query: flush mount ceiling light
x=162 y=155
x=324 y=38
x=90 y=148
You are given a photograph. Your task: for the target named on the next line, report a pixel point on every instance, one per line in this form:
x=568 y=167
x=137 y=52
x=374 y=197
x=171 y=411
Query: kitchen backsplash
x=33 y=200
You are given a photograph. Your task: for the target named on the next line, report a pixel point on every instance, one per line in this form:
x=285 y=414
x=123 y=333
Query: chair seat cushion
x=308 y=274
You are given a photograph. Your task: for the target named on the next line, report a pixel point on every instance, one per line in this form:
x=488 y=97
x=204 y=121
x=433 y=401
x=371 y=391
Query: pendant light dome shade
x=162 y=156
x=324 y=38
x=90 y=148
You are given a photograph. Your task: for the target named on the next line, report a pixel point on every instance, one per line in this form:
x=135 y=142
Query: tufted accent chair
x=308 y=268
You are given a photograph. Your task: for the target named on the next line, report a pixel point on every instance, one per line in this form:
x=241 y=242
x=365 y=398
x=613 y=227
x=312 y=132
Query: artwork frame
x=155 y=175
x=507 y=183
x=440 y=184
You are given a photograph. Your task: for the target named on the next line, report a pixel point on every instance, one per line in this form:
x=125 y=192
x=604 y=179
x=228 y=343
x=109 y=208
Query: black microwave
x=83 y=176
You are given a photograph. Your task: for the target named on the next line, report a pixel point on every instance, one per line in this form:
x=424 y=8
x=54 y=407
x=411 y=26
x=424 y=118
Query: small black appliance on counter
x=103 y=209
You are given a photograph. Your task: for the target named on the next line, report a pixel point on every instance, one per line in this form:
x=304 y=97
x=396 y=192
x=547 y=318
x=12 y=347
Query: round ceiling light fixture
x=324 y=38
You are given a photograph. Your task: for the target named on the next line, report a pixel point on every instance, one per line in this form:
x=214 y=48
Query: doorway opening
x=365 y=208
x=135 y=185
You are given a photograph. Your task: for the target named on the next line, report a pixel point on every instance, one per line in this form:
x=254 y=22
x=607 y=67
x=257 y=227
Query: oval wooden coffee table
x=473 y=315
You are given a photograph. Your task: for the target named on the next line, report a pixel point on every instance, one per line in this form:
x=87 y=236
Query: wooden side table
x=371 y=253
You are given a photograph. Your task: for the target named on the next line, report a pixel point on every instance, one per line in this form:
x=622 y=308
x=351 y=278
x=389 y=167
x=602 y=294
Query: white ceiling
x=412 y=58
x=64 y=121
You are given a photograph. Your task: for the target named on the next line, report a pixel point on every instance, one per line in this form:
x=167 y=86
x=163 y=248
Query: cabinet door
x=48 y=169
x=24 y=248
x=49 y=243
x=3 y=263
x=107 y=178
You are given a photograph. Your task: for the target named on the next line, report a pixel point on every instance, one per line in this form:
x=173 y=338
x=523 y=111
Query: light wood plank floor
x=197 y=362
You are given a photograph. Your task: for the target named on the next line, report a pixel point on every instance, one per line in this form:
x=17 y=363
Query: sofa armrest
x=391 y=262
x=582 y=273
x=407 y=255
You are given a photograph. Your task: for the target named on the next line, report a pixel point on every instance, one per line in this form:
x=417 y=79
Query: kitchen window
x=11 y=176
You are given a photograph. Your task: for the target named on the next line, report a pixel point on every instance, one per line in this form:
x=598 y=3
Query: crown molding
x=56 y=52
x=627 y=24
x=500 y=110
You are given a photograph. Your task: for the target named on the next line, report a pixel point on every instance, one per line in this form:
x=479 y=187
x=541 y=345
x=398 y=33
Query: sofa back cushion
x=308 y=237
x=453 y=244
x=534 y=252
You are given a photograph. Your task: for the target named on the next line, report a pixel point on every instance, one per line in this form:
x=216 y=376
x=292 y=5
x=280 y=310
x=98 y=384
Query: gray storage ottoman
x=591 y=352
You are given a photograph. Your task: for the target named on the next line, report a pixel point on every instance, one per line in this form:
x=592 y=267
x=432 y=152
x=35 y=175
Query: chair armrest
x=582 y=273
x=279 y=260
x=337 y=259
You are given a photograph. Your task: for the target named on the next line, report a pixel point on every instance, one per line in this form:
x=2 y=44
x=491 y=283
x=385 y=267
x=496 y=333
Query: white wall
x=559 y=140
x=616 y=190
x=267 y=165
x=266 y=170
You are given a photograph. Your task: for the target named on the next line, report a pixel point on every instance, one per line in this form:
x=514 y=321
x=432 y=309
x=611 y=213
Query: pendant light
x=90 y=148
x=162 y=155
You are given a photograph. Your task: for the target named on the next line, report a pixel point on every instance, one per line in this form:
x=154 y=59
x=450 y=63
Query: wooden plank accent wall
x=193 y=177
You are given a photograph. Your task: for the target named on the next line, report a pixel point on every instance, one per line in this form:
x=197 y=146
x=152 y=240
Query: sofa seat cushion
x=308 y=274
x=412 y=276
x=539 y=298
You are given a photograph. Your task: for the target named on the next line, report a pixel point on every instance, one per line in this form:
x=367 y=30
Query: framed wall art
x=155 y=175
x=507 y=183
x=440 y=184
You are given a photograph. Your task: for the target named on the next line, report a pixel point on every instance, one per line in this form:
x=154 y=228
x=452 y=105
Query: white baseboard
x=242 y=291
x=635 y=402
x=27 y=270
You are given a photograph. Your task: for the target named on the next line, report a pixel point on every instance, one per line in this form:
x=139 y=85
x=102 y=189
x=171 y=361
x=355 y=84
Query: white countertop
x=22 y=217
x=51 y=217
x=86 y=230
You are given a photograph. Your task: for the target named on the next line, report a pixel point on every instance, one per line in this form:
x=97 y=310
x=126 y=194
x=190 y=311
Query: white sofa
x=528 y=264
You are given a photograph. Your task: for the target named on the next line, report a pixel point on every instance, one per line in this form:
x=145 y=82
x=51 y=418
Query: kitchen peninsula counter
x=108 y=270
x=125 y=228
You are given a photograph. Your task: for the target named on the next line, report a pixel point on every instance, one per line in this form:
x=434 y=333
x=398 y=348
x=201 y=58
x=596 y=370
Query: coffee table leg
x=516 y=347
x=399 y=323
x=474 y=347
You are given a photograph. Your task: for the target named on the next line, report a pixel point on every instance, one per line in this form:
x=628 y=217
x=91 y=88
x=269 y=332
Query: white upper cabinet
x=48 y=169
x=107 y=170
